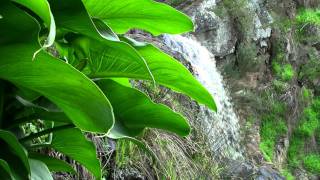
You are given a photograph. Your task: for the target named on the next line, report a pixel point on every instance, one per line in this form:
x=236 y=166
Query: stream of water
x=221 y=128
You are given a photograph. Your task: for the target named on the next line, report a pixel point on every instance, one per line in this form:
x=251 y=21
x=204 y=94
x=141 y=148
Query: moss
x=287 y=73
x=272 y=128
x=308 y=126
x=295 y=151
x=280 y=86
x=312 y=163
x=309 y=123
x=306 y=93
x=311 y=70
x=287 y=174
x=308 y=16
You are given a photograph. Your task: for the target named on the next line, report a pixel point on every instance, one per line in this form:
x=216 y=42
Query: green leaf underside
x=54 y=165
x=147 y=15
x=14 y=154
x=5 y=172
x=42 y=9
x=135 y=111
x=119 y=58
x=73 y=143
x=50 y=76
x=39 y=170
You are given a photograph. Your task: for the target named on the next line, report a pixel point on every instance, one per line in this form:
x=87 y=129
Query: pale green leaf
x=39 y=170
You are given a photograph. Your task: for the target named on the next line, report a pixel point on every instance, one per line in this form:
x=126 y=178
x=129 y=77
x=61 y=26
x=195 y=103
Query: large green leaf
x=117 y=57
x=148 y=15
x=73 y=143
x=42 y=9
x=5 y=172
x=39 y=170
x=15 y=155
x=73 y=92
x=170 y=72
x=54 y=165
x=135 y=111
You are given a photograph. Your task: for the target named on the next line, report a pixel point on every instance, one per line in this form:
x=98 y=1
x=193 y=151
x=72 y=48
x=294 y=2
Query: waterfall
x=222 y=127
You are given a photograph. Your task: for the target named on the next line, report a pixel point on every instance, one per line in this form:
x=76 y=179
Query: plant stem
x=44 y=132
x=20 y=121
x=2 y=96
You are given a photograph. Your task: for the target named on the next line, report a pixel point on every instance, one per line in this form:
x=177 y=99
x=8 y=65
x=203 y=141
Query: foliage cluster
x=70 y=75
x=308 y=16
x=309 y=123
x=273 y=126
x=312 y=163
x=283 y=70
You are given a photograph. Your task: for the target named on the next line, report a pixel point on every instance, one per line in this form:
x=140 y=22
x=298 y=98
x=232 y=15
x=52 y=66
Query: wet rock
x=239 y=170
x=267 y=173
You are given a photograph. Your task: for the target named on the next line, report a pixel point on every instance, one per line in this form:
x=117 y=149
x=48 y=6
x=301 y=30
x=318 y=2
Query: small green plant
x=284 y=72
x=272 y=127
x=312 y=163
x=310 y=123
x=295 y=151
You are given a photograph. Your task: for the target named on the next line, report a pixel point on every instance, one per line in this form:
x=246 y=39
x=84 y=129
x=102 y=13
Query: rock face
x=241 y=38
x=245 y=37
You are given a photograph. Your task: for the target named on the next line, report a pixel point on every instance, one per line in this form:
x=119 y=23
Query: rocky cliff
x=269 y=61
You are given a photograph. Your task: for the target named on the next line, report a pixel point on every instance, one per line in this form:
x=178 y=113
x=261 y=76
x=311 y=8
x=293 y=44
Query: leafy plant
x=59 y=72
x=312 y=163
x=308 y=16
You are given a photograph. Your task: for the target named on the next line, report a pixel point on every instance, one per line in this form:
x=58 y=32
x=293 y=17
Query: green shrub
x=287 y=73
x=309 y=124
x=312 y=163
x=284 y=72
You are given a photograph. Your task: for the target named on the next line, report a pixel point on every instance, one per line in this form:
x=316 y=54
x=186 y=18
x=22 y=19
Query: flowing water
x=221 y=128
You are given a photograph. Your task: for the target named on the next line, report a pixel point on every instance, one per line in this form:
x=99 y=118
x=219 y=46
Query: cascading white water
x=221 y=128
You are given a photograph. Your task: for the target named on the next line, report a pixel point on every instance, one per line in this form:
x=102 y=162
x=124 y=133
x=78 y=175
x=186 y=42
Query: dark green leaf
x=5 y=172
x=73 y=143
x=148 y=15
x=54 y=165
x=15 y=155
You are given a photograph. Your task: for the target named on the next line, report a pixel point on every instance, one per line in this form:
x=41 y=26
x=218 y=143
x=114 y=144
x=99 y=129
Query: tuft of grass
x=284 y=72
x=271 y=129
x=312 y=163
x=308 y=16
x=309 y=123
x=295 y=151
